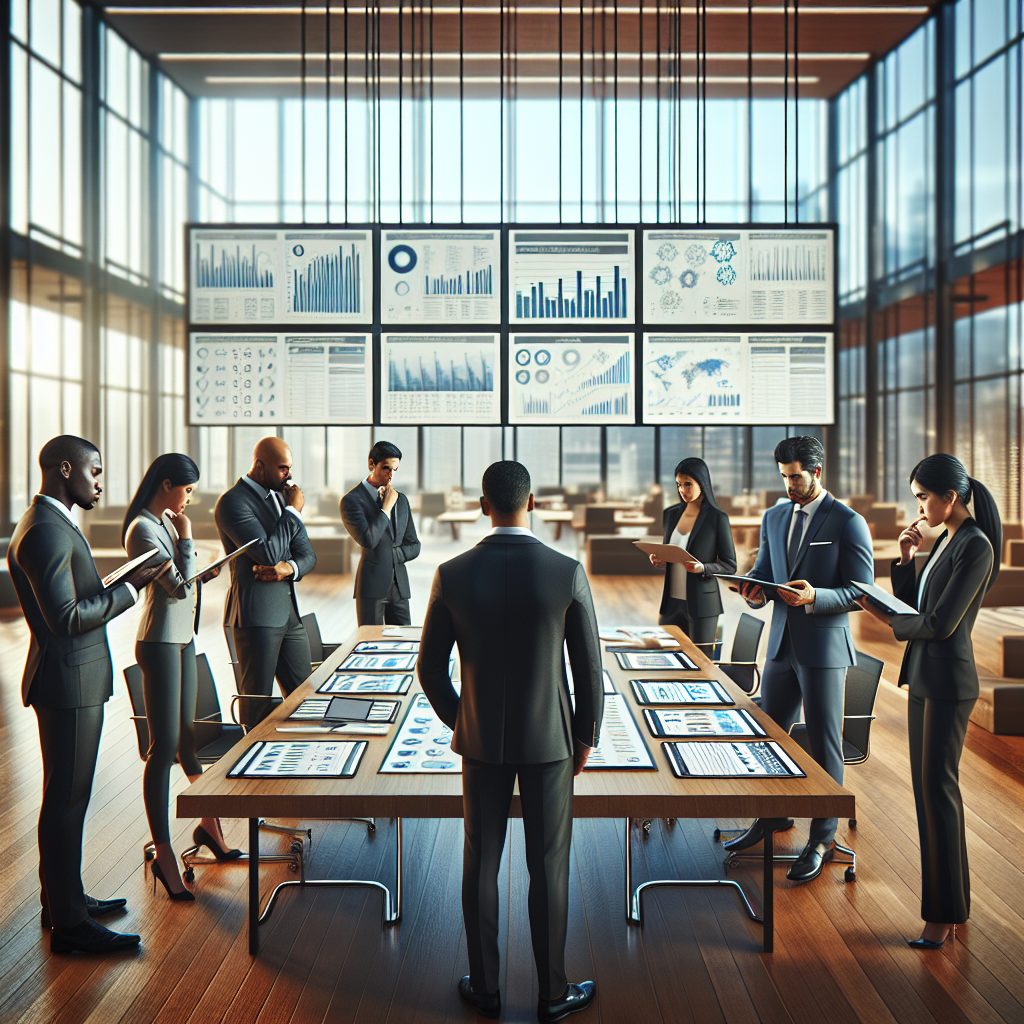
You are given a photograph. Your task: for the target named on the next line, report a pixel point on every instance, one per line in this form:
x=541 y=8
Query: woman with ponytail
x=166 y=653
x=939 y=671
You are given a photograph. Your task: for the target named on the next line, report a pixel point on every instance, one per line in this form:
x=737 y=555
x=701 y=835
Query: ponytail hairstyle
x=698 y=469
x=177 y=468
x=942 y=474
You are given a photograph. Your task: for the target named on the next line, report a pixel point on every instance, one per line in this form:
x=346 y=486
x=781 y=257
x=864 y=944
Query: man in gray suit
x=261 y=610
x=511 y=604
x=68 y=678
x=822 y=546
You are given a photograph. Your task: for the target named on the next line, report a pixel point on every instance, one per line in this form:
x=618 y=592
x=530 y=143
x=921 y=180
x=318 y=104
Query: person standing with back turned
x=261 y=610
x=511 y=604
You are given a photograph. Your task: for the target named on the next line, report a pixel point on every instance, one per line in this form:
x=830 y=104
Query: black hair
x=806 y=450
x=698 y=469
x=382 y=450
x=941 y=473
x=506 y=486
x=66 y=448
x=173 y=466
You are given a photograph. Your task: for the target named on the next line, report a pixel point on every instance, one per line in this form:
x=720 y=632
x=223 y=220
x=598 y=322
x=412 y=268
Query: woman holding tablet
x=939 y=670
x=166 y=653
x=691 y=599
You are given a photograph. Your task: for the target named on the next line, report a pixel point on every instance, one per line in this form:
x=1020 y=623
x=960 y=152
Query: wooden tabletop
x=464 y=515
x=598 y=794
x=553 y=515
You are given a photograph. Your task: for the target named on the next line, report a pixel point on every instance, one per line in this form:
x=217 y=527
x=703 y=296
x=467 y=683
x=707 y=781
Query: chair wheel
x=671 y=822
x=296 y=848
x=850 y=875
x=293 y=867
x=190 y=875
x=646 y=826
x=149 y=854
x=371 y=826
x=718 y=835
x=853 y=823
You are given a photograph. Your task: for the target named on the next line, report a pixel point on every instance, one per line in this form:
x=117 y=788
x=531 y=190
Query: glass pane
x=116 y=72
x=990 y=348
x=46 y=29
x=45 y=149
x=991 y=436
x=19 y=140
x=677 y=443
x=72 y=40
x=537 y=449
x=347 y=448
x=990 y=156
x=630 y=461
x=442 y=458
x=480 y=446
x=581 y=457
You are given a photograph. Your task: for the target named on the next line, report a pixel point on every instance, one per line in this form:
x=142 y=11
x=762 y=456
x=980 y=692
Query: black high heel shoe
x=203 y=838
x=185 y=896
x=924 y=943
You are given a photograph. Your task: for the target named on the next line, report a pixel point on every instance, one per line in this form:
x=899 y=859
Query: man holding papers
x=819 y=546
x=68 y=678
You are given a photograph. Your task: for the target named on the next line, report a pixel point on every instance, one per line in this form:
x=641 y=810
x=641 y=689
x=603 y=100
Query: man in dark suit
x=820 y=546
x=379 y=520
x=261 y=610
x=68 y=678
x=511 y=603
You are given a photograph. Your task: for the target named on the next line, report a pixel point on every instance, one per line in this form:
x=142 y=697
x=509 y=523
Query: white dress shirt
x=510 y=531
x=265 y=493
x=676 y=570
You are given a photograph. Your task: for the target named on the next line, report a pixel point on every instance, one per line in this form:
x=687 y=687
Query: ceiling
x=255 y=49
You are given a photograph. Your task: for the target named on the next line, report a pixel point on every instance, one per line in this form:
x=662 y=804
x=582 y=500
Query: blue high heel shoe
x=928 y=944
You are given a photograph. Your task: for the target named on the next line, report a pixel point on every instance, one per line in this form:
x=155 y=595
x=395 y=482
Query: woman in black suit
x=691 y=599
x=939 y=670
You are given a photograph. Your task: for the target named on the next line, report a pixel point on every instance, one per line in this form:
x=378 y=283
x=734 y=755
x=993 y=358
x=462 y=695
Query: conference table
x=627 y=794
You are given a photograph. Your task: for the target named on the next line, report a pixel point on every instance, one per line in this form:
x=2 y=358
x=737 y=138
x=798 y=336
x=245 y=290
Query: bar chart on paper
x=234 y=276
x=328 y=276
x=571 y=379
x=563 y=276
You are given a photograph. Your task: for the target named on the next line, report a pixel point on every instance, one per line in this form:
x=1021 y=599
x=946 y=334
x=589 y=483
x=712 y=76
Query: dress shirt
x=676 y=570
x=375 y=494
x=809 y=509
x=264 y=493
x=510 y=531
x=66 y=513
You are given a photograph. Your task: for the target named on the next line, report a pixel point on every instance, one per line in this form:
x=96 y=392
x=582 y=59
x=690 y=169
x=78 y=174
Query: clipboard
x=763 y=584
x=222 y=561
x=884 y=600
x=666 y=552
x=117 y=576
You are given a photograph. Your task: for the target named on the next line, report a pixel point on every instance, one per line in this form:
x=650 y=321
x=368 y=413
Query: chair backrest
x=316 y=643
x=861 y=689
x=599 y=520
x=207 y=701
x=133 y=677
x=432 y=504
x=747 y=637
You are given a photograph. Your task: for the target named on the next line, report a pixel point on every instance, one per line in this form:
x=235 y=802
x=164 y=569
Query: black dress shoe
x=809 y=864
x=96 y=908
x=486 y=1005
x=90 y=937
x=577 y=997
x=756 y=833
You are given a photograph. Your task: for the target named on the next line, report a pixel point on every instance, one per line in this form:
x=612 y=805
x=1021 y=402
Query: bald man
x=261 y=610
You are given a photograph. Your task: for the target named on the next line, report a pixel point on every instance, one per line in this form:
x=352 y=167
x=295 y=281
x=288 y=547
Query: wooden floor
x=840 y=952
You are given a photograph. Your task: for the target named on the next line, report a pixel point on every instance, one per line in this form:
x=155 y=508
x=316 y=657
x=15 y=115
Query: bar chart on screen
x=328 y=276
x=566 y=276
x=234 y=276
x=571 y=379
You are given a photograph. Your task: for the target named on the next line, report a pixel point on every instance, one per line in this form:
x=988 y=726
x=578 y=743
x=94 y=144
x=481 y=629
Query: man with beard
x=261 y=610
x=819 y=546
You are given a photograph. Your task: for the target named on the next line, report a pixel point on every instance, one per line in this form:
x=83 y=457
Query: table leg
x=558 y=531
x=768 y=896
x=254 y=886
x=455 y=531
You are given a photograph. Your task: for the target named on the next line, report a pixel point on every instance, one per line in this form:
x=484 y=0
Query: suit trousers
x=265 y=652
x=70 y=741
x=545 y=791
x=392 y=610
x=169 y=686
x=700 y=630
x=936 y=730
x=786 y=684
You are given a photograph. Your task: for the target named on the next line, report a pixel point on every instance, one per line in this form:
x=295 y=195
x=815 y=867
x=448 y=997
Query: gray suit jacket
x=836 y=550
x=939 y=660
x=168 y=609
x=510 y=603
x=66 y=609
x=382 y=556
x=241 y=515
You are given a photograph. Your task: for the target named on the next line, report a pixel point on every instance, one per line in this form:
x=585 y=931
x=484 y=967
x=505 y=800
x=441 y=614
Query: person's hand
x=873 y=610
x=389 y=497
x=579 y=758
x=694 y=566
x=751 y=593
x=910 y=541
x=272 y=573
x=655 y=560
x=293 y=497
x=806 y=595
x=211 y=575
x=145 y=574
x=182 y=525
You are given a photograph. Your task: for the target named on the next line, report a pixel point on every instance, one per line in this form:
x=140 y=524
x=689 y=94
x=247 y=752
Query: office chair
x=318 y=650
x=432 y=504
x=742 y=667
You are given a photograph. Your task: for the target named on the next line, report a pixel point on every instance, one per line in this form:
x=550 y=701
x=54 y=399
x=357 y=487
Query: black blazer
x=939 y=659
x=241 y=515
x=382 y=557
x=67 y=611
x=710 y=542
x=510 y=603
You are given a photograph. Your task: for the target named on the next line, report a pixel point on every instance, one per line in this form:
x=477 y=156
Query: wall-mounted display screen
x=737 y=378
x=582 y=378
x=738 y=276
x=440 y=378
x=280 y=379
x=440 y=277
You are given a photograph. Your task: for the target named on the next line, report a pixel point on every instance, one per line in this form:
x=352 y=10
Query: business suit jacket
x=66 y=609
x=835 y=551
x=242 y=514
x=382 y=557
x=169 y=606
x=510 y=603
x=938 y=662
x=711 y=543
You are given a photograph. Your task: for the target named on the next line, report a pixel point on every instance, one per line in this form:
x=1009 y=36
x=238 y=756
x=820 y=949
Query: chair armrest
x=239 y=697
x=139 y=718
x=215 y=717
x=853 y=718
x=754 y=663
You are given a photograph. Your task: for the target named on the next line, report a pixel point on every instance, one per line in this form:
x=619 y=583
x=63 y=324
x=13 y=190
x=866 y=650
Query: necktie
x=799 y=517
